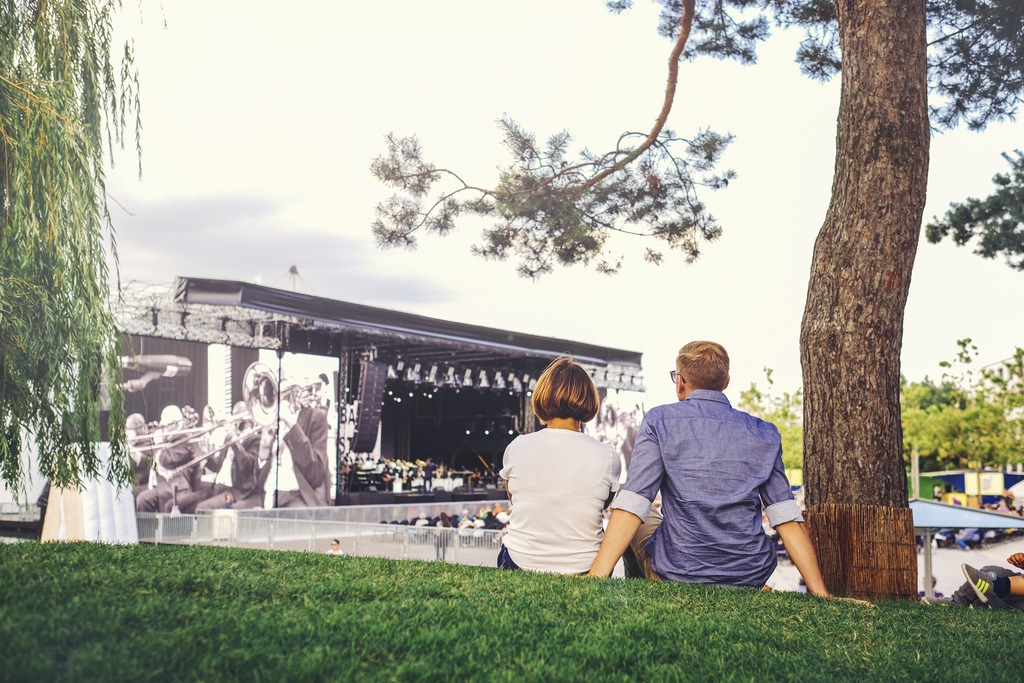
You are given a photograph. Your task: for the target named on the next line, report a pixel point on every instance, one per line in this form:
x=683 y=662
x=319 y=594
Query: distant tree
x=923 y=408
x=972 y=419
x=784 y=411
x=63 y=105
x=549 y=209
x=996 y=222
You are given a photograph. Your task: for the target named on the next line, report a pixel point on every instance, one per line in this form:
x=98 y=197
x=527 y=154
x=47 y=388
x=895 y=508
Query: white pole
x=928 y=590
x=915 y=472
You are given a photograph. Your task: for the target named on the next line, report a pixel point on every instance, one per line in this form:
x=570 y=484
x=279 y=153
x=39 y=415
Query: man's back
x=715 y=464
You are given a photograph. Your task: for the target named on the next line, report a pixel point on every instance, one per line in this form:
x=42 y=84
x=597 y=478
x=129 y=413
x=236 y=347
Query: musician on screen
x=300 y=476
x=175 y=476
x=137 y=434
x=226 y=465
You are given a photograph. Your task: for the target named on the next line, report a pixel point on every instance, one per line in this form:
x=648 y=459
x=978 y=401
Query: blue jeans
x=504 y=561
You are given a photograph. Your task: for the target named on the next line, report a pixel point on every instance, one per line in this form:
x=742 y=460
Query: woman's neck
x=565 y=423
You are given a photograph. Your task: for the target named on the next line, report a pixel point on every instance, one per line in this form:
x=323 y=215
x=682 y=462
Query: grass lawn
x=85 y=612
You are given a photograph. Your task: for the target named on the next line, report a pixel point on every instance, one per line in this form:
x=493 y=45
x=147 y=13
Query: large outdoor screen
x=214 y=427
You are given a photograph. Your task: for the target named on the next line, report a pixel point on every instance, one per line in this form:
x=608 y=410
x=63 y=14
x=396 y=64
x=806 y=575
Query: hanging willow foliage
x=63 y=108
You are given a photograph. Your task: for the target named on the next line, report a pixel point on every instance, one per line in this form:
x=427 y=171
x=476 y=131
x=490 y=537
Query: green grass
x=84 y=612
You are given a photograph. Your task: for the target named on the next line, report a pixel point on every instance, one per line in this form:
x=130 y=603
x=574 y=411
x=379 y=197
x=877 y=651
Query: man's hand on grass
x=828 y=596
x=856 y=601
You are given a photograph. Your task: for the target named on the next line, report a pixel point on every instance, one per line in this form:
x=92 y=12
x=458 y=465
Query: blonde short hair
x=565 y=390
x=704 y=365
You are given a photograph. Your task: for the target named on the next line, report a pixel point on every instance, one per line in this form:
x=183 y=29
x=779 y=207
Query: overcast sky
x=261 y=120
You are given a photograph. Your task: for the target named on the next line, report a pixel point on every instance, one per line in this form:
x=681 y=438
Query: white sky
x=261 y=120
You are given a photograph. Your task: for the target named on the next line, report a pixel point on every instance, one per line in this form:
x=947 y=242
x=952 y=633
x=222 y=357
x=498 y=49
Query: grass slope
x=84 y=612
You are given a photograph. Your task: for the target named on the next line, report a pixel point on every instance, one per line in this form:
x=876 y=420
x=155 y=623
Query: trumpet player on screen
x=301 y=474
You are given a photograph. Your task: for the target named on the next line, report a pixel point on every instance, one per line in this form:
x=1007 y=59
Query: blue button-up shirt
x=715 y=467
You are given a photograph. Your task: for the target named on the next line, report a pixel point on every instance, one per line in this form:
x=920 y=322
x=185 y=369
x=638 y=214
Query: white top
x=559 y=482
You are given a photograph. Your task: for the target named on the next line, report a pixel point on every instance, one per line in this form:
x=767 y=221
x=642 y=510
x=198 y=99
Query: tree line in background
x=970 y=418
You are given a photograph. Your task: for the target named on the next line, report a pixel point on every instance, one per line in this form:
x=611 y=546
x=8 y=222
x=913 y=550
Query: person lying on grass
x=716 y=468
x=991 y=586
x=559 y=479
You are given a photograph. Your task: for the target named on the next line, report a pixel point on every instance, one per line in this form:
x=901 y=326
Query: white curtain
x=99 y=512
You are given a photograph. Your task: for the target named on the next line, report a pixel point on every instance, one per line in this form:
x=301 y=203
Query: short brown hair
x=565 y=390
x=704 y=365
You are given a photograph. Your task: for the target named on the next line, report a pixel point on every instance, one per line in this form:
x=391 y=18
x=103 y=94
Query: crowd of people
x=494 y=517
x=972 y=538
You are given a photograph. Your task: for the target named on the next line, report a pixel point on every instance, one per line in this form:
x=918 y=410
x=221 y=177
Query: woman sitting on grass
x=559 y=479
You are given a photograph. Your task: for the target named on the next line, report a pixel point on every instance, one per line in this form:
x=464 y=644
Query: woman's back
x=559 y=481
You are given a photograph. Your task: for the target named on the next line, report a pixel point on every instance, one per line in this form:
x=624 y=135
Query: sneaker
x=934 y=600
x=981 y=582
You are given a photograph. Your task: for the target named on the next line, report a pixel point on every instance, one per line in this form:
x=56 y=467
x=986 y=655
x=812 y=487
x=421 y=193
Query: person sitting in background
x=335 y=548
x=991 y=586
x=968 y=538
x=559 y=479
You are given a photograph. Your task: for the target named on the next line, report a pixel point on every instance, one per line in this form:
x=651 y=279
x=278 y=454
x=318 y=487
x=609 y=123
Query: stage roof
x=244 y=314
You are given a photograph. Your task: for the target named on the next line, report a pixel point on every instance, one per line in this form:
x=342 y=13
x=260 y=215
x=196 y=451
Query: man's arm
x=801 y=552
x=621 y=528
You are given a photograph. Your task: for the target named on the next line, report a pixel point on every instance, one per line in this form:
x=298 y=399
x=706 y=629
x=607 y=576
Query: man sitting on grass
x=990 y=586
x=715 y=467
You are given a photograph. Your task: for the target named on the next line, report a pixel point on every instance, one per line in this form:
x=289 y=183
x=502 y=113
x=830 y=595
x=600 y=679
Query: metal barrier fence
x=373 y=514
x=468 y=546
x=19 y=511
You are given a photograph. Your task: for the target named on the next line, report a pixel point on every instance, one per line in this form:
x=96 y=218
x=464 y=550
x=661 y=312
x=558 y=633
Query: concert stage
x=413 y=497
x=397 y=387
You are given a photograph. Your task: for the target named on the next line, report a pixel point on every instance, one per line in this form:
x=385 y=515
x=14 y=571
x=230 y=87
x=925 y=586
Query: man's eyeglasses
x=673 y=374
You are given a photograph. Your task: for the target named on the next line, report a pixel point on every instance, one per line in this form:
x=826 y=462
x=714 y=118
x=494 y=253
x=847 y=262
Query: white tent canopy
x=931 y=515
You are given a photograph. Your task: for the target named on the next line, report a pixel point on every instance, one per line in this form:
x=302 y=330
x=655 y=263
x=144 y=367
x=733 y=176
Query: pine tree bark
x=852 y=329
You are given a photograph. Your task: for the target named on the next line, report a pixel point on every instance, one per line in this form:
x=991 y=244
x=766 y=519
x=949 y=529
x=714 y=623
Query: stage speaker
x=372 y=376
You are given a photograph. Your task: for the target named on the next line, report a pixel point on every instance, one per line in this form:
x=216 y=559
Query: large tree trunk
x=852 y=328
